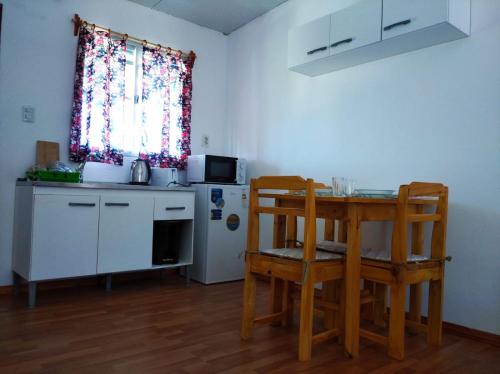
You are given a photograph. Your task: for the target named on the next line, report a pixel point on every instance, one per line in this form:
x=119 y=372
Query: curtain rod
x=78 y=22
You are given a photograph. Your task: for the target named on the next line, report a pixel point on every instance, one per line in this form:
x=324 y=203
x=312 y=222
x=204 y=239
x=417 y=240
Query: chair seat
x=298 y=254
x=366 y=253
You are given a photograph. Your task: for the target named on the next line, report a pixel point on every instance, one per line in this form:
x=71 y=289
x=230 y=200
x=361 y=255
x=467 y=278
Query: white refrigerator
x=220 y=233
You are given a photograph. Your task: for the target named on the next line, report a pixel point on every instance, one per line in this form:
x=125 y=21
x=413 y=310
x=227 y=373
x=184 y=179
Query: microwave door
x=220 y=169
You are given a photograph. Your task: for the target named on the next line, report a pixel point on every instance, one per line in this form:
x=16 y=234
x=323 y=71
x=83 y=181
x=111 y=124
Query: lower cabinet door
x=125 y=233
x=64 y=242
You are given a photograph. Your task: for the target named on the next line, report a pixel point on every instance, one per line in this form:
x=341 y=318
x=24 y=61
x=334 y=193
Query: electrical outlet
x=204 y=141
x=28 y=114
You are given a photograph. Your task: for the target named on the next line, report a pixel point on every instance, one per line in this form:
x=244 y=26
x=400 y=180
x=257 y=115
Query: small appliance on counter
x=216 y=169
x=140 y=172
x=164 y=176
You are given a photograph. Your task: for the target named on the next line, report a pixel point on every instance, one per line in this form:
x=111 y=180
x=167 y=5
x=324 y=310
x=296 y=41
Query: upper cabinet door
x=402 y=16
x=309 y=42
x=356 y=26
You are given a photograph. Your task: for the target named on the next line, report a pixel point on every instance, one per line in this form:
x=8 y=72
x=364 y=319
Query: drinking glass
x=343 y=186
x=338 y=186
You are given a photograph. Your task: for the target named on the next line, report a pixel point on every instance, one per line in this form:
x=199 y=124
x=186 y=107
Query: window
x=130 y=99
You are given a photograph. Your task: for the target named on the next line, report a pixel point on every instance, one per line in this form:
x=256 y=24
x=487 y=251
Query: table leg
x=353 y=271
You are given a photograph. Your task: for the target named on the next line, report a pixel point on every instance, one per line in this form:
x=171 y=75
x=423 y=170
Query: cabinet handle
x=345 y=41
x=116 y=204
x=401 y=23
x=175 y=208
x=82 y=204
x=317 y=50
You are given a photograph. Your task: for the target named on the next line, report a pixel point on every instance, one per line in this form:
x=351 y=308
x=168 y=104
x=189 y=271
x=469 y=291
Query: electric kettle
x=140 y=172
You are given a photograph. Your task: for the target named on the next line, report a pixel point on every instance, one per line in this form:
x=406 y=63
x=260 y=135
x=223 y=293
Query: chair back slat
x=419 y=189
x=281 y=211
x=292 y=183
x=422 y=217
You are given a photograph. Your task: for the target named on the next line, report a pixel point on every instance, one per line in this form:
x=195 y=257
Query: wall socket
x=204 y=141
x=28 y=114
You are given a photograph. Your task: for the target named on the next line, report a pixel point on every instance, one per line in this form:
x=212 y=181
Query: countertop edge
x=103 y=186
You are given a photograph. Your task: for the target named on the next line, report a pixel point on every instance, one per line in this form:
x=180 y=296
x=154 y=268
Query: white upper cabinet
x=403 y=16
x=309 y=42
x=374 y=29
x=356 y=26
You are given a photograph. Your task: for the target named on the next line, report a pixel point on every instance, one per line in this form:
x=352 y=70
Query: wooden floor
x=162 y=326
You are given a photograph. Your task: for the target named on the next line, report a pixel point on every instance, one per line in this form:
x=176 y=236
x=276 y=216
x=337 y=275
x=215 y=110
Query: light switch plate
x=28 y=114
x=204 y=141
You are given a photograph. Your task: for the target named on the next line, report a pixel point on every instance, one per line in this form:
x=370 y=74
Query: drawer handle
x=345 y=41
x=401 y=23
x=175 y=208
x=116 y=204
x=82 y=204
x=317 y=50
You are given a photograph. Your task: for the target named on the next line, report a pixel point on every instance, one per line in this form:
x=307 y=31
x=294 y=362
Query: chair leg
x=397 y=321
x=340 y=322
x=328 y=294
x=367 y=309
x=249 y=291
x=306 y=320
x=435 y=312
x=379 y=305
x=289 y=304
x=276 y=297
x=415 y=305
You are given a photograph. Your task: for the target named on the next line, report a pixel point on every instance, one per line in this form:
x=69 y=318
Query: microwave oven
x=216 y=169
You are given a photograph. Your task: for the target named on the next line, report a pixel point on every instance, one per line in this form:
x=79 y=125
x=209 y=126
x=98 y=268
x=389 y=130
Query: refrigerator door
x=227 y=233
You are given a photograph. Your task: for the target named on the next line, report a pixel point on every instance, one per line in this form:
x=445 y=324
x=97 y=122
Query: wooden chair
x=399 y=269
x=305 y=265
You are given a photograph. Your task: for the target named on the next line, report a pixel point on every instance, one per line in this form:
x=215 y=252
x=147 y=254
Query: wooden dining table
x=352 y=211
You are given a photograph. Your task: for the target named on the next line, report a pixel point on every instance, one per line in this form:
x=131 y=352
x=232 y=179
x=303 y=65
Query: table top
x=348 y=199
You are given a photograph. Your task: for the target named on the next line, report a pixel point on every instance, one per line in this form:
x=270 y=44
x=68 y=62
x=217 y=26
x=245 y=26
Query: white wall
x=37 y=60
x=429 y=115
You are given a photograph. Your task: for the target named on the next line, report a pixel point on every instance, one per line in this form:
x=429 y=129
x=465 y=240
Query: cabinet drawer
x=309 y=42
x=178 y=205
x=403 y=16
x=356 y=26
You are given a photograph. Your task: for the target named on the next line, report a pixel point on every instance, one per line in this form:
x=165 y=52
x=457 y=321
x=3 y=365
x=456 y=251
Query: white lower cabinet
x=75 y=231
x=64 y=236
x=125 y=233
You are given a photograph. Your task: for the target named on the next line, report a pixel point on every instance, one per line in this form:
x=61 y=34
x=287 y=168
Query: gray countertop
x=104 y=186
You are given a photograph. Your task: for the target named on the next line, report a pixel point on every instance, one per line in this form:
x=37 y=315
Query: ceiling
x=220 y=15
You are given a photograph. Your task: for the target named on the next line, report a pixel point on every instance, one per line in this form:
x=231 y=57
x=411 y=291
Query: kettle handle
x=149 y=169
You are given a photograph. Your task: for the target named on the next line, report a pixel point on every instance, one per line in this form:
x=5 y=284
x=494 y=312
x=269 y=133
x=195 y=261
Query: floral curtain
x=166 y=108
x=98 y=102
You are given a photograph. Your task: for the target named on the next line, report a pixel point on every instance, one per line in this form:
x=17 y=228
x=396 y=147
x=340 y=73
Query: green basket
x=57 y=176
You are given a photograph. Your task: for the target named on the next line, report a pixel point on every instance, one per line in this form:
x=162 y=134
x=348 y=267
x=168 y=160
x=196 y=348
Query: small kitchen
x=66 y=226
x=274 y=186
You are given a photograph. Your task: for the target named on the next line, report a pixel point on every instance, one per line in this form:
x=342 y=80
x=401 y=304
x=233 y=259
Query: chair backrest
x=288 y=183
x=409 y=212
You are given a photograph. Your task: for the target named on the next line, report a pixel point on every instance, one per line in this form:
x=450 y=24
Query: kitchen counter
x=103 y=186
